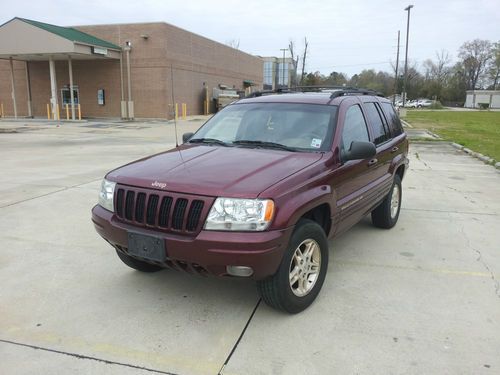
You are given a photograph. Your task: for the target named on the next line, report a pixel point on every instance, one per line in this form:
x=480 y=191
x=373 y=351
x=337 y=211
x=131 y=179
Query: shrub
x=483 y=105
x=436 y=105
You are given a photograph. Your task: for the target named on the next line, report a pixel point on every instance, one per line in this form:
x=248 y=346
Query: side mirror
x=360 y=150
x=186 y=137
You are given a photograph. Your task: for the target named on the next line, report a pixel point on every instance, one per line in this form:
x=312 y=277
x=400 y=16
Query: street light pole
x=283 y=66
x=408 y=8
x=396 y=80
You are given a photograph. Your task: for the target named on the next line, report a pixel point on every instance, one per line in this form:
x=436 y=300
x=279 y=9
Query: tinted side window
x=354 y=128
x=380 y=132
x=392 y=119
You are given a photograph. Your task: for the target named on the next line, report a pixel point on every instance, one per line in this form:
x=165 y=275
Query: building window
x=283 y=70
x=268 y=73
x=66 y=95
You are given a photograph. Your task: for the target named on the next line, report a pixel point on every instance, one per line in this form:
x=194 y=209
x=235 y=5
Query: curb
x=485 y=159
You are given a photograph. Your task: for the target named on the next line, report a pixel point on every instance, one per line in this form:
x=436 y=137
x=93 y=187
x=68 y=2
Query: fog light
x=240 y=271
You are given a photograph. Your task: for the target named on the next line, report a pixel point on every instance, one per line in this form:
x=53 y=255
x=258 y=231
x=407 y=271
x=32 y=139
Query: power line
x=350 y=65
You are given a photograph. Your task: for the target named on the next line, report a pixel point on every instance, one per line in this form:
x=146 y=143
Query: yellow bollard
x=48 y=111
x=176 y=111
x=184 y=111
x=67 y=112
x=79 y=112
x=58 y=113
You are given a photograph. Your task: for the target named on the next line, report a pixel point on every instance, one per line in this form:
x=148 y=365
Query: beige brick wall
x=195 y=60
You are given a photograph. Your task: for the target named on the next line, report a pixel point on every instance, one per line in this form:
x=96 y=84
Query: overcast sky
x=345 y=36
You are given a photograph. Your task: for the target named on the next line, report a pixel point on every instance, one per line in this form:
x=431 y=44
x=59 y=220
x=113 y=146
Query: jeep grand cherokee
x=258 y=189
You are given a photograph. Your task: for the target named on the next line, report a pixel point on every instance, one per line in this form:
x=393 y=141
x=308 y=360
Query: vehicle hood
x=213 y=170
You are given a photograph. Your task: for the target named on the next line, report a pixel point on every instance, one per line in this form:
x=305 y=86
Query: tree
x=233 y=43
x=475 y=56
x=313 y=79
x=304 y=59
x=494 y=67
x=436 y=74
x=295 y=62
x=336 y=79
x=380 y=81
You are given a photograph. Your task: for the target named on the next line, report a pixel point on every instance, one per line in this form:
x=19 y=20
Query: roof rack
x=269 y=92
x=319 y=88
x=335 y=91
x=354 y=91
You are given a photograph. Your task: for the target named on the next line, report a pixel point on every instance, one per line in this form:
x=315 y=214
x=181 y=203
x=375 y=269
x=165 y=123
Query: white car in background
x=424 y=103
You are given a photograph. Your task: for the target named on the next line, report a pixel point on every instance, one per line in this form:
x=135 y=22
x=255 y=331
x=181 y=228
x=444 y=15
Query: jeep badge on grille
x=160 y=185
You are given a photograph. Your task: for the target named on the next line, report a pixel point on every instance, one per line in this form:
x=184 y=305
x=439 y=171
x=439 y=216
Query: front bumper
x=209 y=252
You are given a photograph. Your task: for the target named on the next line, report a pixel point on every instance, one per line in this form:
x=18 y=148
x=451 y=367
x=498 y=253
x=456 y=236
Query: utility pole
x=397 y=66
x=283 y=66
x=408 y=8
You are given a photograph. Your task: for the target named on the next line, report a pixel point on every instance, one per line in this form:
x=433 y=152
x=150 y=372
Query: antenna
x=173 y=104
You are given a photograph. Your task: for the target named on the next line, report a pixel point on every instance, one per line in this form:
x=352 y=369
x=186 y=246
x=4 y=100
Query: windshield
x=302 y=127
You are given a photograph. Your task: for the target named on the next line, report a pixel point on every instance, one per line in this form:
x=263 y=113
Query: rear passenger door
x=381 y=137
x=354 y=176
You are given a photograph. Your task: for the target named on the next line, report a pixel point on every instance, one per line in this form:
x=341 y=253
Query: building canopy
x=23 y=39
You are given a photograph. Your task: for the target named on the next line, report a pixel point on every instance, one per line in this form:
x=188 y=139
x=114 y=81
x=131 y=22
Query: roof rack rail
x=320 y=88
x=269 y=92
x=354 y=91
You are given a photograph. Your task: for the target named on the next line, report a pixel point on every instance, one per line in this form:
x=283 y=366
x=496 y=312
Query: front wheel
x=387 y=213
x=302 y=271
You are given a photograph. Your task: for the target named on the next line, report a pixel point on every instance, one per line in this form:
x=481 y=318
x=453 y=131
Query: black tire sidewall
x=306 y=229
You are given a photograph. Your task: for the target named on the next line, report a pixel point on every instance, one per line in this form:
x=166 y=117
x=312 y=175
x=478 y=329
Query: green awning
x=71 y=34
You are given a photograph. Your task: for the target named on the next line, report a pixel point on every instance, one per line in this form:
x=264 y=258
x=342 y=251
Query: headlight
x=106 y=194
x=240 y=214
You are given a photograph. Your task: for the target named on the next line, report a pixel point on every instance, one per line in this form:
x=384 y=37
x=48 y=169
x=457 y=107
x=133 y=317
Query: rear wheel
x=137 y=264
x=302 y=271
x=387 y=213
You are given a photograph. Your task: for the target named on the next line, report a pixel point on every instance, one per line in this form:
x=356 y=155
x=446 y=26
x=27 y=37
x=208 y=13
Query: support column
x=123 y=103
x=72 y=95
x=28 y=86
x=130 y=106
x=13 y=83
x=53 y=88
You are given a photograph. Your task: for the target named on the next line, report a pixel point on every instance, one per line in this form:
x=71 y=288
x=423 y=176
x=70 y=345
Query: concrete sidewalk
x=423 y=297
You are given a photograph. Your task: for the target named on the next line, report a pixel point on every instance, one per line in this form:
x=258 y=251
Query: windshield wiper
x=278 y=146
x=209 y=141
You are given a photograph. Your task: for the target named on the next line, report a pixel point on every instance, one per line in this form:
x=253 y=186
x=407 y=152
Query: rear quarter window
x=392 y=119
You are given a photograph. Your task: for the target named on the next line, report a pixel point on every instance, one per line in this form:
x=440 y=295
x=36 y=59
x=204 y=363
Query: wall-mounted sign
x=100 y=97
x=99 y=51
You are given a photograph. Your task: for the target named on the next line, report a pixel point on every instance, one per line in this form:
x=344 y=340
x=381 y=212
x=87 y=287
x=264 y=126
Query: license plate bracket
x=147 y=247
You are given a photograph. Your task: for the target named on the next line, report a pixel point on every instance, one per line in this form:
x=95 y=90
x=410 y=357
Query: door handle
x=394 y=149
x=372 y=162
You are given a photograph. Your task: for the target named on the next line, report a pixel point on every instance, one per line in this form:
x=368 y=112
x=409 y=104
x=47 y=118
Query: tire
x=137 y=264
x=387 y=213
x=278 y=291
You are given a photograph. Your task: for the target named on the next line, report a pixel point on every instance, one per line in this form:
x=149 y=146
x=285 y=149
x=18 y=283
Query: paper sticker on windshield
x=316 y=143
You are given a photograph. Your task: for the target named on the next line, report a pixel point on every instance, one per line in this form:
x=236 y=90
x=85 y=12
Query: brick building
x=38 y=58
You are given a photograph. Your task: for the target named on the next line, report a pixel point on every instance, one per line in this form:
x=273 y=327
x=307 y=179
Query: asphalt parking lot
x=422 y=298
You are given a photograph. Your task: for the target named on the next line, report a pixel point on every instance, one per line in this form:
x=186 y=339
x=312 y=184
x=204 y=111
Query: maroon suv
x=258 y=189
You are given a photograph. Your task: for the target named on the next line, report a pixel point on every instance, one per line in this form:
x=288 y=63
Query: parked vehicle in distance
x=411 y=104
x=258 y=189
x=424 y=103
